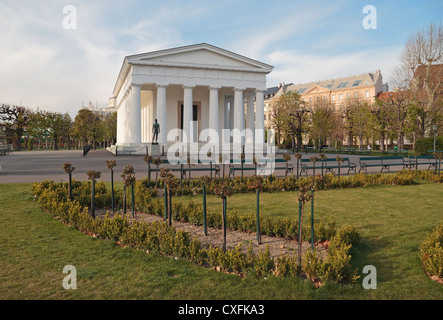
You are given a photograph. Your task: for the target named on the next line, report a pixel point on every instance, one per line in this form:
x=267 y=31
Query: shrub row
x=291 y=183
x=160 y=238
x=147 y=201
x=431 y=253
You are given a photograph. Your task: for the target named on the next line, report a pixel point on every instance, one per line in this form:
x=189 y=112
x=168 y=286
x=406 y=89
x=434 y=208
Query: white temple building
x=192 y=88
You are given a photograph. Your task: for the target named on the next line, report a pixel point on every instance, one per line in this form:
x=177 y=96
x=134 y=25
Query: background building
x=334 y=92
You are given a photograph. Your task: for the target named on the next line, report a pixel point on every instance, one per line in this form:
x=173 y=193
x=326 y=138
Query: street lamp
x=434 y=127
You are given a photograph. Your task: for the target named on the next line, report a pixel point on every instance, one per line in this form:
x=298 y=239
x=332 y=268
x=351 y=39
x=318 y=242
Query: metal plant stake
x=93 y=176
x=111 y=164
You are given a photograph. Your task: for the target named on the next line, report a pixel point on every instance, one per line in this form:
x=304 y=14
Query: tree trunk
x=382 y=142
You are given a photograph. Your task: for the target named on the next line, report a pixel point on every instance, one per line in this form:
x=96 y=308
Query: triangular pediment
x=202 y=55
x=317 y=89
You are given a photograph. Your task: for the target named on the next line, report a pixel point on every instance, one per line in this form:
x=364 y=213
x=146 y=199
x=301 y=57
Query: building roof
x=200 y=55
x=357 y=81
x=273 y=91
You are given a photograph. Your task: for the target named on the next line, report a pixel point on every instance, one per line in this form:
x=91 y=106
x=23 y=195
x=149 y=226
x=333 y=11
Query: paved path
x=34 y=166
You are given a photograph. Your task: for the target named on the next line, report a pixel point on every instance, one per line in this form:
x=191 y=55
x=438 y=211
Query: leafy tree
x=322 y=123
x=37 y=127
x=399 y=103
x=295 y=114
x=381 y=120
x=278 y=120
x=358 y=118
x=15 y=119
x=88 y=127
x=58 y=126
x=110 y=128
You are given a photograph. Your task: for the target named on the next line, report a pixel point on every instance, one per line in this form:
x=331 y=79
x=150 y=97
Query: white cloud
x=43 y=65
x=298 y=67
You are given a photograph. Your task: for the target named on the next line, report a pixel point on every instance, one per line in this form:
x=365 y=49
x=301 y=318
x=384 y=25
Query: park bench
x=183 y=168
x=328 y=164
x=384 y=162
x=213 y=167
x=5 y=150
x=331 y=164
x=235 y=165
x=262 y=169
x=422 y=160
x=307 y=164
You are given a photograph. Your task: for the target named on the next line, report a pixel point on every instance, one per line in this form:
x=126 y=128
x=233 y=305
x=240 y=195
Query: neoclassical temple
x=191 y=88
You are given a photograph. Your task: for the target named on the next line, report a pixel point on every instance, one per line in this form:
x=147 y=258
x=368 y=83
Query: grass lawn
x=393 y=222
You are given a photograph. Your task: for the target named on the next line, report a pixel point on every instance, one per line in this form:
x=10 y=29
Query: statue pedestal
x=156 y=150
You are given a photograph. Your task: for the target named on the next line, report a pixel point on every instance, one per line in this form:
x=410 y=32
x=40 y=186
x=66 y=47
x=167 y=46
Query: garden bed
x=278 y=246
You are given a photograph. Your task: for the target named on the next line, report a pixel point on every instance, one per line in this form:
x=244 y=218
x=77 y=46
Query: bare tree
x=419 y=71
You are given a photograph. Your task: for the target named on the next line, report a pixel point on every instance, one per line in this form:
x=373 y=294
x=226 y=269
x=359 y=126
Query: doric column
x=143 y=123
x=231 y=112
x=250 y=118
x=161 y=113
x=135 y=135
x=226 y=126
x=213 y=109
x=121 y=123
x=260 y=116
x=188 y=113
x=239 y=111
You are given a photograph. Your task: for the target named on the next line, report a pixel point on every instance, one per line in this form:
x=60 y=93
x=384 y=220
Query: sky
x=56 y=55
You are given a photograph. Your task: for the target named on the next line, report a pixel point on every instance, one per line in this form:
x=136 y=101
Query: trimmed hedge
x=291 y=183
x=431 y=253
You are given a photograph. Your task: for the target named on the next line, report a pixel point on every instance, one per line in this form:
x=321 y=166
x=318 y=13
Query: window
x=333 y=98
x=330 y=86
x=340 y=97
x=367 y=94
x=356 y=83
x=356 y=95
x=348 y=95
x=301 y=90
x=324 y=98
x=342 y=85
